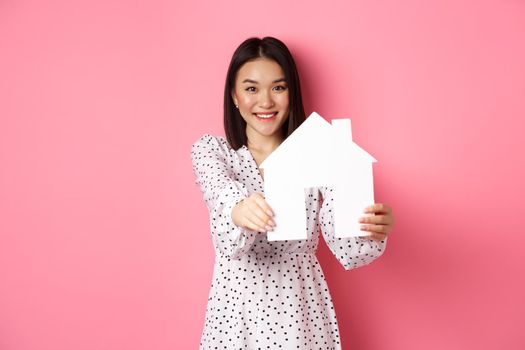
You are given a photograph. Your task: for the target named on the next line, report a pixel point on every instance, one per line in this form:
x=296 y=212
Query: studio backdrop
x=104 y=235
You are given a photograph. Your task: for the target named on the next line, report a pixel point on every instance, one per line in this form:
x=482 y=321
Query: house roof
x=312 y=139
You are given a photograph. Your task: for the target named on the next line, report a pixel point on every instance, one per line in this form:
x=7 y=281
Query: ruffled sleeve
x=351 y=252
x=221 y=193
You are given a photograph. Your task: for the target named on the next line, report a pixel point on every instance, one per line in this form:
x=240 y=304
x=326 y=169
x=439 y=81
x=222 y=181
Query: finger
x=383 y=229
x=378 y=208
x=376 y=219
x=264 y=205
x=253 y=217
x=268 y=225
x=250 y=225
x=260 y=213
x=375 y=236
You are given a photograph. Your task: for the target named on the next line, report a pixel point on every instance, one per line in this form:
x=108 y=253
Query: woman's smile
x=261 y=95
x=266 y=117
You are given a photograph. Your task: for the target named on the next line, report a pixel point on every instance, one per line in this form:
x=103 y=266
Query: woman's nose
x=266 y=100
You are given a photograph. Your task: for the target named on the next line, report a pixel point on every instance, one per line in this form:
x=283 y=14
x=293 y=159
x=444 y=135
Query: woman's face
x=261 y=93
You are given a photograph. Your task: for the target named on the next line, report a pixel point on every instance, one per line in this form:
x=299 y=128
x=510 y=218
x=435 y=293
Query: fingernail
x=361 y=219
x=269 y=213
x=268 y=228
x=271 y=222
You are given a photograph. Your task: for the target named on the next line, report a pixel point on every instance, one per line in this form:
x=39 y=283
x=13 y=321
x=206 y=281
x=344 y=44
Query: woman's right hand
x=253 y=213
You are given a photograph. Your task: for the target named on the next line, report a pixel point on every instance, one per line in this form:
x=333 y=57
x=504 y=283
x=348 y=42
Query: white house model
x=318 y=154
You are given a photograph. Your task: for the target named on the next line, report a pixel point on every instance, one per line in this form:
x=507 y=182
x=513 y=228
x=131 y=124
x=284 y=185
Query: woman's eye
x=280 y=87
x=249 y=89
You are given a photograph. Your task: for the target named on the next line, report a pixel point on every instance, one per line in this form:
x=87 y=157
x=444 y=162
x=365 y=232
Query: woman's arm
x=221 y=193
x=351 y=252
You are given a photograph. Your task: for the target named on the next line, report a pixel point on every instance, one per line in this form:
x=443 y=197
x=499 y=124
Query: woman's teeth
x=265 y=116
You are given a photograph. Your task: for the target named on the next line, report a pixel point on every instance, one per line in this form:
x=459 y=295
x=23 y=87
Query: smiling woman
x=268 y=294
x=261 y=96
x=262 y=78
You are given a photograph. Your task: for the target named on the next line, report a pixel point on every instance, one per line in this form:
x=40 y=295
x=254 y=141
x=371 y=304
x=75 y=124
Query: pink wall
x=104 y=240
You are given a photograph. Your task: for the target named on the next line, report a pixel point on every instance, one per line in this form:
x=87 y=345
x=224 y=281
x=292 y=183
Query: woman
x=268 y=295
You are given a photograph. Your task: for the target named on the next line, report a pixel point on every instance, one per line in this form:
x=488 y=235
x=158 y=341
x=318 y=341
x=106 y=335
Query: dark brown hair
x=251 y=49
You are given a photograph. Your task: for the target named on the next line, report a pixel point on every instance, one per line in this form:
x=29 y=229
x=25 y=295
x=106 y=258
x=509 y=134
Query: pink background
x=104 y=238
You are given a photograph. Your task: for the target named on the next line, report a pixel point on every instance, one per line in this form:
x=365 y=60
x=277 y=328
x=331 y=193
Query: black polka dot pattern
x=267 y=295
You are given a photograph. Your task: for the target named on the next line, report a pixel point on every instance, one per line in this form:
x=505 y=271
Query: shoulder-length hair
x=251 y=49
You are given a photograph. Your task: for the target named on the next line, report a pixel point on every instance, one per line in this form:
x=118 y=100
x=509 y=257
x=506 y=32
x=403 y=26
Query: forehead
x=262 y=70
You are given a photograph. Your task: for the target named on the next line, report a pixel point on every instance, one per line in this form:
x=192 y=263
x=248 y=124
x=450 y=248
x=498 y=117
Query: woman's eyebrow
x=256 y=82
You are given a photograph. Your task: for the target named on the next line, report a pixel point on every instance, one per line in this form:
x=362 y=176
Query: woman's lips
x=265 y=116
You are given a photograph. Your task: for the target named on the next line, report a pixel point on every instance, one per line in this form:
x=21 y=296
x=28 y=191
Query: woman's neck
x=263 y=144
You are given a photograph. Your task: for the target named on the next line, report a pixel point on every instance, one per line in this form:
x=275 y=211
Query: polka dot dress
x=267 y=295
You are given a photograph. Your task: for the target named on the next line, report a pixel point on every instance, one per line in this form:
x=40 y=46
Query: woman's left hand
x=378 y=225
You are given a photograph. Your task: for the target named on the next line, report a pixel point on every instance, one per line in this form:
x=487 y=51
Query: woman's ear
x=234 y=98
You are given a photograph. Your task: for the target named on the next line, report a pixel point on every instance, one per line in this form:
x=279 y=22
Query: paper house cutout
x=318 y=154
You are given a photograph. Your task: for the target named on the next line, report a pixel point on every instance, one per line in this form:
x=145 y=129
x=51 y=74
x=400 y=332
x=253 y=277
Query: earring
x=237 y=106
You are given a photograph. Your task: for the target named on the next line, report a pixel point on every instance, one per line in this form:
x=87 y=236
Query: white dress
x=267 y=295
